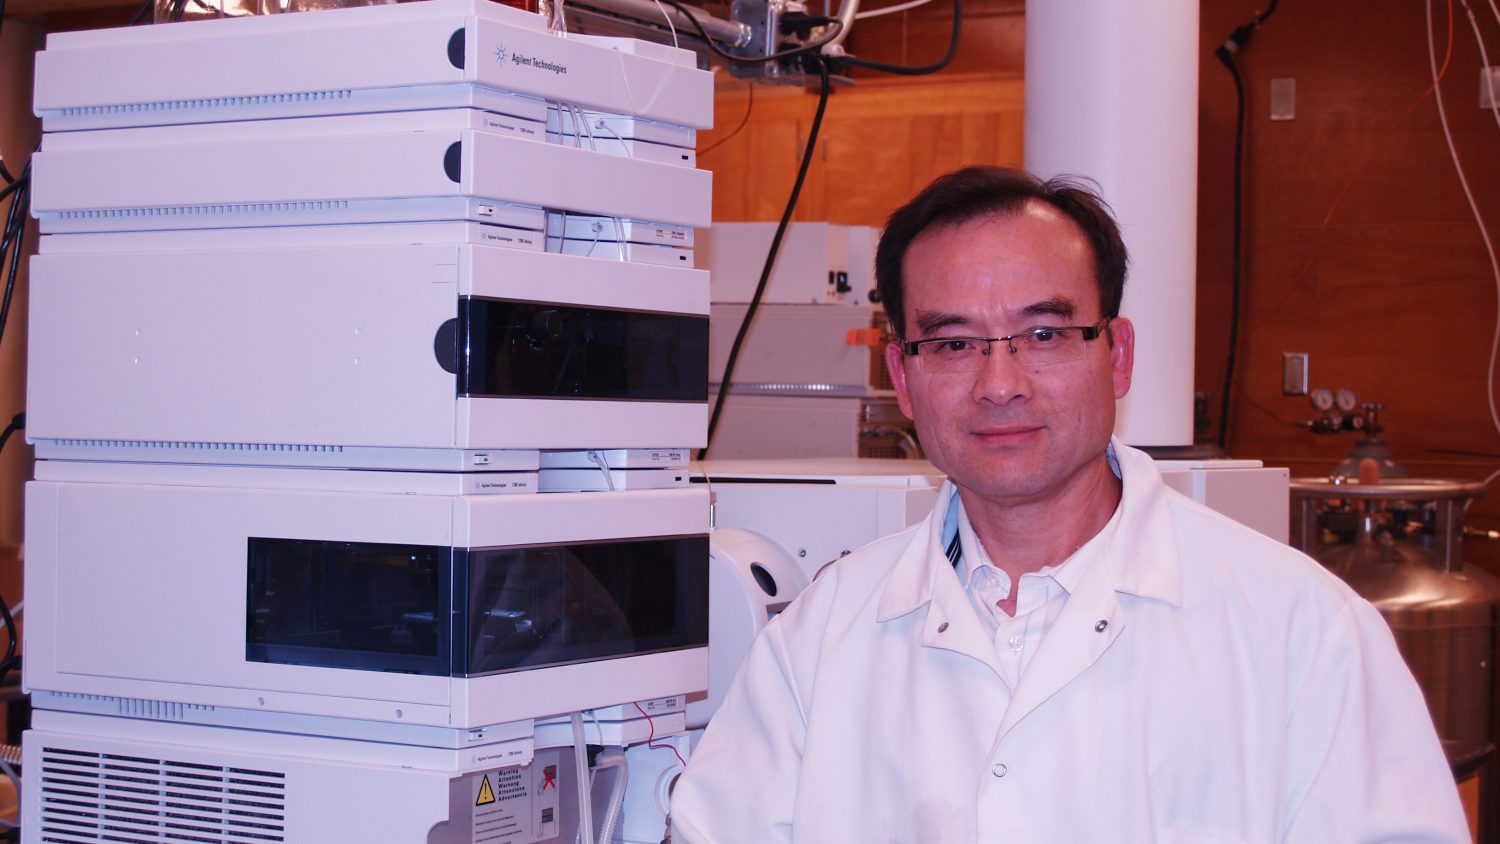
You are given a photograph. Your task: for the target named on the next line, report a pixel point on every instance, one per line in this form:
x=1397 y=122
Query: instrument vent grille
x=283 y=448
x=156 y=710
x=93 y=797
x=209 y=103
x=202 y=210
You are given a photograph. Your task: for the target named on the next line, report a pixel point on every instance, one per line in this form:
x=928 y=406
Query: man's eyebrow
x=1058 y=307
x=928 y=322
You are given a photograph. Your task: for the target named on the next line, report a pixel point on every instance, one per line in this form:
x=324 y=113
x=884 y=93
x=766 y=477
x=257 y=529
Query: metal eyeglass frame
x=1089 y=332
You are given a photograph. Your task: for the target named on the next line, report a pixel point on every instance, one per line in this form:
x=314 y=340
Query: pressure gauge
x=1322 y=398
x=1347 y=400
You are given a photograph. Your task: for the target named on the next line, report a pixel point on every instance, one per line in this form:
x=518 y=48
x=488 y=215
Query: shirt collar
x=1067 y=573
x=1138 y=545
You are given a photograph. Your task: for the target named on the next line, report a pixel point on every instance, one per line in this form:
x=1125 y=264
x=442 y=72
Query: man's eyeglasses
x=1036 y=347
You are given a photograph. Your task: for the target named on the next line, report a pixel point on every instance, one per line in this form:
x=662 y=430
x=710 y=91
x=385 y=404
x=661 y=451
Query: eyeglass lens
x=1037 y=348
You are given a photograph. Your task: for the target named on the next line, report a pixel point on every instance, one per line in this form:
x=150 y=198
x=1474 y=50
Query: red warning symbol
x=549 y=777
x=486 y=794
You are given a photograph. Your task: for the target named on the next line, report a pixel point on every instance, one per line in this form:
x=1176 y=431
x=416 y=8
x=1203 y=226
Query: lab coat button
x=942 y=627
x=999 y=769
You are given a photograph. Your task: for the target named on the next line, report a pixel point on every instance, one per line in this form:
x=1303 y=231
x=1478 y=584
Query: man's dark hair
x=975 y=192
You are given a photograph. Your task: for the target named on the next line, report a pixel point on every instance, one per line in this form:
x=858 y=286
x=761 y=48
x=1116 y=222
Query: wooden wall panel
x=1360 y=247
x=1392 y=297
x=993 y=38
x=864 y=162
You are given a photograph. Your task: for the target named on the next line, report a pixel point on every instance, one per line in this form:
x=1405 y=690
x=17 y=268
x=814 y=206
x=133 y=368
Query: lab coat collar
x=924 y=577
x=922 y=565
x=1141 y=558
x=1143 y=555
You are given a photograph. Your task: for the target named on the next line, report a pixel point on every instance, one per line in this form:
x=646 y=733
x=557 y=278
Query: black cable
x=1225 y=54
x=12 y=213
x=17 y=423
x=1264 y=16
x=1235 y=272
x=920 y=70
x=9 y=660
x=765 y=272
x=15 y=184
x=140 y=14
x=11 y=223
x=10 y=280
x=727 y=56
x=13 y=239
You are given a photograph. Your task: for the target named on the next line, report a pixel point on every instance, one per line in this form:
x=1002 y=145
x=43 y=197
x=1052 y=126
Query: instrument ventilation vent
x=203 y=210
x=202 y=446
x=155 y=710
x=95 y=797
x=209 y=104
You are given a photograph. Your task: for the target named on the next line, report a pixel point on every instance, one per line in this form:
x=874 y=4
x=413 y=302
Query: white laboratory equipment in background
x=355 y=302
x=810 y=380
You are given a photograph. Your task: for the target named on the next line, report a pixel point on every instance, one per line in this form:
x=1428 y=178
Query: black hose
x=919 y=70
x=765 y=272
x=1226 y=53
x=1227 y=57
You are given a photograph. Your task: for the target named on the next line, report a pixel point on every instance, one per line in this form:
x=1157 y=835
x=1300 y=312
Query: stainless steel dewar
x=1399 y=544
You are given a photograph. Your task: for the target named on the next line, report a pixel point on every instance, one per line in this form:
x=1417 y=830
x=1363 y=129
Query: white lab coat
x=1203 y=683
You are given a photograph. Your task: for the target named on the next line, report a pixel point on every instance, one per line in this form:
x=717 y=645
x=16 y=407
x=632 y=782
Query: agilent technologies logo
x=505 y=56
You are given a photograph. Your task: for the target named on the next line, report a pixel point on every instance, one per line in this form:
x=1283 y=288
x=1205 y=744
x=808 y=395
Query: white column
x=1112 y=94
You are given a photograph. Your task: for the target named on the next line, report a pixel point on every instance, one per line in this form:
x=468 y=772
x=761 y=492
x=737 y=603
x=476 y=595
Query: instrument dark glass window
x=531 y=349
x=463 y=612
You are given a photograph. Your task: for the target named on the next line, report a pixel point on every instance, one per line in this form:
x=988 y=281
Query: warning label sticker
x=518 y=805
x=486 y=794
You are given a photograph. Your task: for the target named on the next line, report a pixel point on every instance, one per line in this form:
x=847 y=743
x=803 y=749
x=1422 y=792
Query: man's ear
x=895 y=361
x=1121 y=353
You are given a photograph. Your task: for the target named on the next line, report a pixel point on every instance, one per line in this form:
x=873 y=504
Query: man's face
x=1008 y=433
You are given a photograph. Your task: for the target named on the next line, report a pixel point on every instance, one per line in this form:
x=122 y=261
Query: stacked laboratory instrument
x=325 y=303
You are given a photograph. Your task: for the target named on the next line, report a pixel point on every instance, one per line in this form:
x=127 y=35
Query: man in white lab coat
x=1065 y=650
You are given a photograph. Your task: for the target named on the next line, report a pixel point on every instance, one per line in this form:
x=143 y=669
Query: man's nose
x=1001 y=378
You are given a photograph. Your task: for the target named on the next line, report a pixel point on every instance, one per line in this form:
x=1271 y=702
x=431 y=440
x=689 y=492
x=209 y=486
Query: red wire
x=749 y=106
x=651 y=737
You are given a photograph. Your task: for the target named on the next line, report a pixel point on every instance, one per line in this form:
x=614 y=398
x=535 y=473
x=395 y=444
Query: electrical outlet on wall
x=1294 y=373
x=1284 y=98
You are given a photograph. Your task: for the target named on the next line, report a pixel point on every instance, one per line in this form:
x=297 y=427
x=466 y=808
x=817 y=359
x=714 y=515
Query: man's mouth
x=1002 y=433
